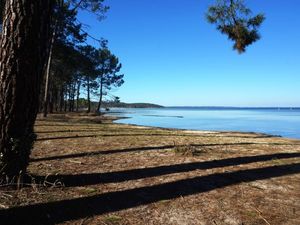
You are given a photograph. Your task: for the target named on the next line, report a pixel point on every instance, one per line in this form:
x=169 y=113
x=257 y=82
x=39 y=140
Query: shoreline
x=106 y=117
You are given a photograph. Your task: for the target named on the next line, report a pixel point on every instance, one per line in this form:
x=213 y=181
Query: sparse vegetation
x=188 y=150
x=112 y=219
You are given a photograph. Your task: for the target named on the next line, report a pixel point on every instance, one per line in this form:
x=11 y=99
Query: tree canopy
x=235 y=20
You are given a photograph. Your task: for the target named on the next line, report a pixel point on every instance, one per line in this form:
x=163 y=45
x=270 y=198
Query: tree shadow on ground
x=103 y=152
x=65 y=210
x=134 y=174
x=140 y=149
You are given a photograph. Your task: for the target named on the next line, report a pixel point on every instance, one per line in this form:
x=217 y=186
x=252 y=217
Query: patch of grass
x=113 y=219
x=164 y=201
x=276 y=161
x=188 y=150
x=89 y=191
x=251 y=214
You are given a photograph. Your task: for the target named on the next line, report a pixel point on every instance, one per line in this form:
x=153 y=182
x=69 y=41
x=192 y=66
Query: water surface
x=275 y=121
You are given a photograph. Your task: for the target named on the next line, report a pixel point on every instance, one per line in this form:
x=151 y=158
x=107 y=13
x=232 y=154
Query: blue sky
x=172 y=56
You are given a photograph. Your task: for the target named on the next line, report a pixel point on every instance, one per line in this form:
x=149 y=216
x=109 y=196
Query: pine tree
x=235 y=20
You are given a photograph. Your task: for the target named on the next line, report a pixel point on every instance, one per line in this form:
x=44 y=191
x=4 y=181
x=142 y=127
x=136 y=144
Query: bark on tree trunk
x=72 y=95
x=70 y=99
x=100 y=99
x=61 y=100
x=47 y=77
x=88 y=96
x=51 y=101
x=24 y=47
x=66 y=103
x=77 y=97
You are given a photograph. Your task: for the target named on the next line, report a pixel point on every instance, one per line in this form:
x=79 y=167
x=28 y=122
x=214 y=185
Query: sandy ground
x=87 y=170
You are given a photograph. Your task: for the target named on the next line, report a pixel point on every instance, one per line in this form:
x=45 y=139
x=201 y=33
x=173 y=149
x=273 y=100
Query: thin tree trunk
x=101 y=95
x=48 y=68
x=77 y=97
x=66 y=102
x=61 y=100
x=24 y=47
x=88 y=96
x=70 y=98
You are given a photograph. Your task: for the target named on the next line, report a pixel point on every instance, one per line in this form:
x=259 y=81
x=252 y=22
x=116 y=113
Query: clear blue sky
x=172 y=56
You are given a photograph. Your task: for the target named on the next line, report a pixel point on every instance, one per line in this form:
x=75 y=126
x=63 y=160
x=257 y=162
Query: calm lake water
x=284 y=121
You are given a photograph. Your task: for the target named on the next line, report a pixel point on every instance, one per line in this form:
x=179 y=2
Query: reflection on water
x=284 y=122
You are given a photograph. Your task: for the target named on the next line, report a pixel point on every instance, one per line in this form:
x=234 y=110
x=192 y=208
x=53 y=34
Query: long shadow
x=134 y=174
x=103 y=152
x=65 y=210
x=140 y=149
x=66 y=137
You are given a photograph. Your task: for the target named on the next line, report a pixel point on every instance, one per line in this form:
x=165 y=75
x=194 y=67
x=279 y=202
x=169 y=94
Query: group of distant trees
x=74 y=66
x=45 y=63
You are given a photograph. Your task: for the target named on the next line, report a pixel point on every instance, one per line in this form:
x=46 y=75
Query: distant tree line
x=74 y=67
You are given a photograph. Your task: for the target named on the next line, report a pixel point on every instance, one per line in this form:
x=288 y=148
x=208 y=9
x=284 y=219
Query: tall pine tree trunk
x=24 y=46
x=88 y=96
x=66 y=102
x=47 y=77
x=51 y=99
x=61 y=99
x=77 y=95
x=101 y=95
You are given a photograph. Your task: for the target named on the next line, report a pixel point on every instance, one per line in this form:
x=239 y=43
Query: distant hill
x=129 y=105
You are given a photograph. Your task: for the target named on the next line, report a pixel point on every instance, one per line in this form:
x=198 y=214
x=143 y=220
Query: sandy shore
x=88 y=170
